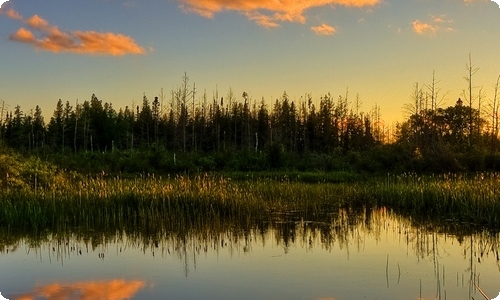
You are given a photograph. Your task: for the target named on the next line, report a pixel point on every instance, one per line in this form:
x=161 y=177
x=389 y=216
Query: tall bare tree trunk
x=193 y=116
x=76 y=124
x=470 y=72
x=494 y=116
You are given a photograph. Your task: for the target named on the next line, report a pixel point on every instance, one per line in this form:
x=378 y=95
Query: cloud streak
x=265 y=12
x=43 y=36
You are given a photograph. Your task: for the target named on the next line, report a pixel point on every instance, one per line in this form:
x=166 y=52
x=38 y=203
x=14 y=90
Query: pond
x=369 y=254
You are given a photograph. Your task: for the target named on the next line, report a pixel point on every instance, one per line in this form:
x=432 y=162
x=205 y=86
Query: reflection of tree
x=116 y=289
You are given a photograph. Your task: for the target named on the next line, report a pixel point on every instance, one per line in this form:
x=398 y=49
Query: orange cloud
x=264 y=12
x=12 y=14
x=23 y=35
x=423 y=28
x=436 y=24
x=51 y=38
x=111 y=43
x=323 y=29
x=117 y=289
x=36 y=22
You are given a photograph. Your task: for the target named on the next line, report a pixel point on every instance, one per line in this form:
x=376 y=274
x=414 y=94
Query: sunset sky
x=121 y=49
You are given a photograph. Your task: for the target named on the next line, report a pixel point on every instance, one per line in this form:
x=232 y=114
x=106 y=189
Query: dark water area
x=368 y=254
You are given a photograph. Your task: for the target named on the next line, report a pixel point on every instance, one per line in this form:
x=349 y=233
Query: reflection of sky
x=351 y=266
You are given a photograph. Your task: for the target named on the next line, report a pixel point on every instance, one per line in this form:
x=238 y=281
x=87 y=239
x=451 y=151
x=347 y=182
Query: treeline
x=187 y=123
x=332 y=133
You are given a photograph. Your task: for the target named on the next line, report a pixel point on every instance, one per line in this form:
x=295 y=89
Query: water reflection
x=117 y=289
x=350 y=254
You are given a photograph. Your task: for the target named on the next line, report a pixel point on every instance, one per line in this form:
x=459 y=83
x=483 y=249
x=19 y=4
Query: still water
x=374 y=254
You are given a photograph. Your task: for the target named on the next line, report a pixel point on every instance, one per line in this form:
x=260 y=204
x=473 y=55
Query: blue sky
x=121 y=49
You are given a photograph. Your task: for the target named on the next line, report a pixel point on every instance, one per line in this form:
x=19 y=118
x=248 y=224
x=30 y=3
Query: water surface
x=371 y=254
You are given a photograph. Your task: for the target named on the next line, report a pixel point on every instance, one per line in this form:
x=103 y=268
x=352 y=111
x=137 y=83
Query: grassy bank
x=462 y=198
x=37 y=195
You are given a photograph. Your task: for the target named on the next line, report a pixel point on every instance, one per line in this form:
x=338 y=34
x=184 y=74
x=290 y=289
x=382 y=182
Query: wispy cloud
x=323 y=29
x=267 y=13
x=433 y=26
x=43 y=36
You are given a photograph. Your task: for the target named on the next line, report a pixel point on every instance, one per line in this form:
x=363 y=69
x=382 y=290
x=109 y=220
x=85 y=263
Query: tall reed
x=147 y=201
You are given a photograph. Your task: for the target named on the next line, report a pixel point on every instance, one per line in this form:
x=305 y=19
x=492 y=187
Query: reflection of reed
x=346 y=229
x=152 y=203
x=482 y=292
x=116 y=289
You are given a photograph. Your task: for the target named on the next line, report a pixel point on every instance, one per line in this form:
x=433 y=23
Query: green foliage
x=18 y=173
x=10 y=170
x=275 y=155
x=449 y=139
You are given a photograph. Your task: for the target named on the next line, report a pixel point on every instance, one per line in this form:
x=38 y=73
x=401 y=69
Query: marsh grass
x=461 y=198
x=146 y=201
x=151 y=202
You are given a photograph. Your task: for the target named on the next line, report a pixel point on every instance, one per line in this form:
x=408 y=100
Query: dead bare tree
x=494 y=116
x=3 y=111
x=182 y=96
x=471 y=71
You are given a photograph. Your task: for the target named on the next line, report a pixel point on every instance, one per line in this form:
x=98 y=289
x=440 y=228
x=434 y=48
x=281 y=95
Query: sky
x=120 y=50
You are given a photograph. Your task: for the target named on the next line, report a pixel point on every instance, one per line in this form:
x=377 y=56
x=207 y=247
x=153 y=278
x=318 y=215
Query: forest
x=186 y=132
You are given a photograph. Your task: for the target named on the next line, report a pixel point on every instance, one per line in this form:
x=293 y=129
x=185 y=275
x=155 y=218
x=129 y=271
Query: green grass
x=297 y=176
